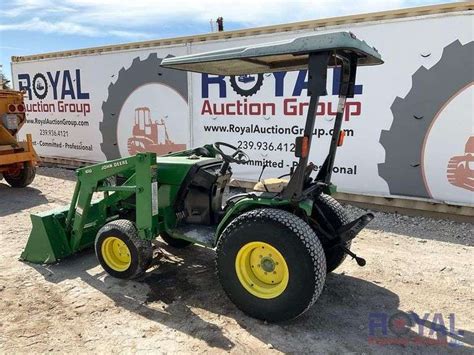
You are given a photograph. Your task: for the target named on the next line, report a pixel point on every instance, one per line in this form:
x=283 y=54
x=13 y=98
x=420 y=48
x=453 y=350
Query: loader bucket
x=48 y=241
x=64 y=231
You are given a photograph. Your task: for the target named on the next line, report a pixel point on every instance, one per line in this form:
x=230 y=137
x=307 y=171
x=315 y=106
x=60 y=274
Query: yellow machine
x=17 y=159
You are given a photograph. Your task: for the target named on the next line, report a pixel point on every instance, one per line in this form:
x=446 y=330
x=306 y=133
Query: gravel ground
x=415 y=266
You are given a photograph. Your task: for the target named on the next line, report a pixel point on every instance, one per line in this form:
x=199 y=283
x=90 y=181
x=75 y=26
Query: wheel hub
x=116 y=254
x=268 y=264
x=262 y=270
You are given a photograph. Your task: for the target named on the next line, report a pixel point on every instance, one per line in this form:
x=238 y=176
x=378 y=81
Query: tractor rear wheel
x=335 y=214
x=174 y=242
x=271 y=264
x=120 y=250
x=22 y=177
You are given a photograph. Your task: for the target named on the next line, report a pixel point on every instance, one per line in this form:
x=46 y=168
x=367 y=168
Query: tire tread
x=144 y=248
x=299 y=228
x=337 y=216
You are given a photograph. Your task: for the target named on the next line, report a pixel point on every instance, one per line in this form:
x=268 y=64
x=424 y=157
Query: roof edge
x=287 y=27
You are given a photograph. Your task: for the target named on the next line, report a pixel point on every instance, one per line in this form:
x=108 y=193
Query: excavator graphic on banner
x=146 y=135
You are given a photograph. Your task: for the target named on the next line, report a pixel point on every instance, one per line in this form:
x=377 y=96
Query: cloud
x=11 y=47
x=129 y=34
x=38 y=25
x=69 y=28
x=17 y=8
x=140 y=19
x=252 y=12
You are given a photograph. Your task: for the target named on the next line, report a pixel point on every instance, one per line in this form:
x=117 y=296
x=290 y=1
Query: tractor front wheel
x=271 y=264
x=120 y=250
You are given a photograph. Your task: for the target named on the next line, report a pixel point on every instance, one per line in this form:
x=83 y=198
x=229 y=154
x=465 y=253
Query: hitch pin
x=360 y=261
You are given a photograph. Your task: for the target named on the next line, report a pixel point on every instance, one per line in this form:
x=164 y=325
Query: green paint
x=60 y=233
x=330 y=189
x=249 y=203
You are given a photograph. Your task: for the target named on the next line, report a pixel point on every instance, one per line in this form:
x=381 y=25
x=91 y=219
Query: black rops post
x=317 y=78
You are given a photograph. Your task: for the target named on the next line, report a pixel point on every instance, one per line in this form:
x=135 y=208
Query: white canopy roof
x=284 y=55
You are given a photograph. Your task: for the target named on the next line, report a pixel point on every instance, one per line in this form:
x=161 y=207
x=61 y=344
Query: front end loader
x=273 y=247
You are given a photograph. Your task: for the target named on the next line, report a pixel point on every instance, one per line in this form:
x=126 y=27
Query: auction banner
x=106 y=106
x=409 y=128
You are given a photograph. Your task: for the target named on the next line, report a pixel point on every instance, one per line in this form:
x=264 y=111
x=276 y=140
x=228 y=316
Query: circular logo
x=40 y=86
x=246 y=85
x=146 y=110
x=429 y=124
x=448 y=168
x=152 y=119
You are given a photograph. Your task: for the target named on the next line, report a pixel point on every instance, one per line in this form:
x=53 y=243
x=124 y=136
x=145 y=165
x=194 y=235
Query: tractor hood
x=284 y=55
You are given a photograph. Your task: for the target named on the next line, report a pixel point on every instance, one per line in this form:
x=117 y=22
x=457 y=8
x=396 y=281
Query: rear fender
x=250 y=203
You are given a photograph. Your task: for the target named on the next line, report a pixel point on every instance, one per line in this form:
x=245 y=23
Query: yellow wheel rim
x=116 y=254
x=262 y=270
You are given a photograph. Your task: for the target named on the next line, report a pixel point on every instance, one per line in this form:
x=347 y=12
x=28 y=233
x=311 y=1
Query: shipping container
x=409 y=128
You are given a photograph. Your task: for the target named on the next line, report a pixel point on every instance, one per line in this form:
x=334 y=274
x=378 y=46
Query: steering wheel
x=238 y=157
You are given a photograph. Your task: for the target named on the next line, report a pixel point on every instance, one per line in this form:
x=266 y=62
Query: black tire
x=337 y=216
x=141 y=72
x=174 y=242
x=39 y=95
x=141 y=251
x=295 y=241
x=23 y=178
x=249 y=92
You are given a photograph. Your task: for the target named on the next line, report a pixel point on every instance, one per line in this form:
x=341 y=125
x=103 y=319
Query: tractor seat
x=271 y=185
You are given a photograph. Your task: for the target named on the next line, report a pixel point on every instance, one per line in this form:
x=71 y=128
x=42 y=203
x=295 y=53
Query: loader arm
x=60 y=233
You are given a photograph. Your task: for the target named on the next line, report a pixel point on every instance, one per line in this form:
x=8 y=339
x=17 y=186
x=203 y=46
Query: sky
x=40 y=26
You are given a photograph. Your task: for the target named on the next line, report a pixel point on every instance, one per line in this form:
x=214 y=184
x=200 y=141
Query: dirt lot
x=415 y=265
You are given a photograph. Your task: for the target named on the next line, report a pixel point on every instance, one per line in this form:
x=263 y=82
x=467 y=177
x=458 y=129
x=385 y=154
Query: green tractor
x=274 y=247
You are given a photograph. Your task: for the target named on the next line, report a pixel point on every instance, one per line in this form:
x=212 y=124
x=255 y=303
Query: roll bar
x=314 y=52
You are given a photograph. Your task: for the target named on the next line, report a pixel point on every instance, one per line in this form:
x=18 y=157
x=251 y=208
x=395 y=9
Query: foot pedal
x=350 y=230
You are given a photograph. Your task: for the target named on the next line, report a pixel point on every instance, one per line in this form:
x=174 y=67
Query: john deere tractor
x=273 y=247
